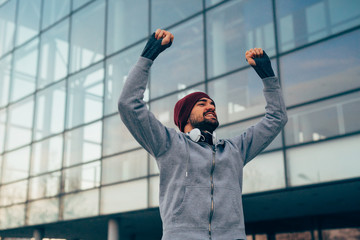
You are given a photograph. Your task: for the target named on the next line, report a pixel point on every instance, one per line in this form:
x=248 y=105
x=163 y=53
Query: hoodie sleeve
x=256 y=138
x=146 y=129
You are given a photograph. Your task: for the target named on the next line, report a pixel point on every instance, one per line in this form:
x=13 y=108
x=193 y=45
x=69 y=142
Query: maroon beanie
x=184 y=106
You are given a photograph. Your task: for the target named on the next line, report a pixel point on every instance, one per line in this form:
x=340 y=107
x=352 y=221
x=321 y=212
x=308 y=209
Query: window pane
x=233 y=28
x=7 y=26
x=54 y=10
x=294 y=236
x=265 y=172
x=20 y=124
x=117 y=137
x=24 y=70
x=85 y=96
x=127 y=23
x=78 y=3
x=316 y=71
x=2 y=129
x=124 y=167
x=322 y=120
x=50 y=111
x=87 y=35
x=182 y=64
x=28 y=20
x=83 y=177
x=83 y=144
x=16 y=165
x=209 y=3
x=238 y=96
x=117 y=69
x=13 y=193
x=124 y=197
x=163 y=109
x=54 y=54
x=302 y=22
x=45 y=186
x=344 y=233
x=83 y=204
x=12 y=217
x=329 y=161
x=5 y=71
x=237 y=129
x=47 y=155
x=154 y=191
x=43 y=211
x=167 y=12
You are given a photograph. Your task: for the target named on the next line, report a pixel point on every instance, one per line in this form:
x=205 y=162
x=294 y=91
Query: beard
x=204 y=124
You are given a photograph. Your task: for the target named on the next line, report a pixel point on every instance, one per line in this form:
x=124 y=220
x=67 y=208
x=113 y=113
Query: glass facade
x=64 y=152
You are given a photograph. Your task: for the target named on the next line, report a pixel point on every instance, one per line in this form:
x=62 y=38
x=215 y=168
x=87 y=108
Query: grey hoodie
x=200 y=185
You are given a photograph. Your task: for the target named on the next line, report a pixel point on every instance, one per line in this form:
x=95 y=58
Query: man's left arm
x=258 y=137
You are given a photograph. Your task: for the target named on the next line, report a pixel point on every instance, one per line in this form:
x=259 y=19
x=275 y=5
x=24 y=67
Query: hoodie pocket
x=227 y=208
x=194 y=209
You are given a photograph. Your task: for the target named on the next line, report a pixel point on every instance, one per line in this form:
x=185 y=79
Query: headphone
x=196 y=135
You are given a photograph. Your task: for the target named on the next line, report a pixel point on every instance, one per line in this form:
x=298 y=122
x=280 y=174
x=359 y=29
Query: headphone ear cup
x=195 y=134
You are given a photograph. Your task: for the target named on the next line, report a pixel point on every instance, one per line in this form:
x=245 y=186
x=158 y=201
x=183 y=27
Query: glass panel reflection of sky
x=54 y=10
x=83 y=177
x=43 y=211
x=16 y=165
x=321 y=70
x=45 y=186
x=83 y=204
x=7 y=26
x=5 y=71
x=2 y=129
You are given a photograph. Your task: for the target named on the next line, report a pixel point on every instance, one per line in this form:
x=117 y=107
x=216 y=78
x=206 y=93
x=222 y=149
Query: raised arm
x=142 y=124
x=257 y=138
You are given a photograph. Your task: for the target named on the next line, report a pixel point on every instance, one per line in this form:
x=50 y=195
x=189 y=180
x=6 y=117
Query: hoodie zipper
x=212 y=188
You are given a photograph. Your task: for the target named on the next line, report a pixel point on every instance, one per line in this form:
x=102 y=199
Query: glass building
x=69 y=168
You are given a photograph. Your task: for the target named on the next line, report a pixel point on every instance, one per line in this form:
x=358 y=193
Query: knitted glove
x=153 y=47
x=263 y=66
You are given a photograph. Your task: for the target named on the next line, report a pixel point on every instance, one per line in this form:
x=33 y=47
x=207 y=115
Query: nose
x=210 y=107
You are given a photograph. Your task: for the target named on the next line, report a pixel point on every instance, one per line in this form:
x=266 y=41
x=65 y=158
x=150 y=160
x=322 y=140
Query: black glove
x=153 y=47
x=263 y=66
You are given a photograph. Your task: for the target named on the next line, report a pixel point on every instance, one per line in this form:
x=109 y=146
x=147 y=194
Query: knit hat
x=184 y=106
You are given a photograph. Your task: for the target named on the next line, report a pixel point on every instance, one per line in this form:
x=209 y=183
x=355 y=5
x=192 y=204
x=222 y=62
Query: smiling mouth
x=212 y=115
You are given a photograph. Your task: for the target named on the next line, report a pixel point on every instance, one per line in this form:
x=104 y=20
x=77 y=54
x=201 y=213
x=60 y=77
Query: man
x=200 y=177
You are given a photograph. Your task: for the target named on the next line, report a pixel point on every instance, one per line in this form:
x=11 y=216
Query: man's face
x=203 y=115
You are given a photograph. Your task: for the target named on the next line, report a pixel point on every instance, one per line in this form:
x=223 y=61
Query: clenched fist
x=260 y=61
x=158 y=42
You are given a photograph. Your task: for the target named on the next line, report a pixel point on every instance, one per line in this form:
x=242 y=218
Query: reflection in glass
x=83 y=177
x=302 y=22
x=13 y=216
x=321 y=70
x=183 y=63
x=7 y=26
x=83 y=204
x=233 y=28
x=83 y=144
x=43 y=211
x=117 y=137
x=28 y=20
x=54 y=50
x=24 y=70
x=295 y=235
x=167 y=12
x=322 y=120
x=154 y=192
x=329 y=161
x=127 y=23
x=117 y=69
x=265 y=172
x=45 y=186
x=19 y=124
x=54 y=10
x=78 y=3
x=5 y=71
x=87 y=24
x=124 y=167
x=16 y=165
x=238 y=96
x=13 y=193
x=85 y=96
x=2 y=129
x=239 y=128
x=47 y=155
x=124 y=197
x=50 y=111
x=163 y=109
x=209 y=3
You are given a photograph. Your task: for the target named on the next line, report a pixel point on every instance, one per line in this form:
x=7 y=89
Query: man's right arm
x=142 y=124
